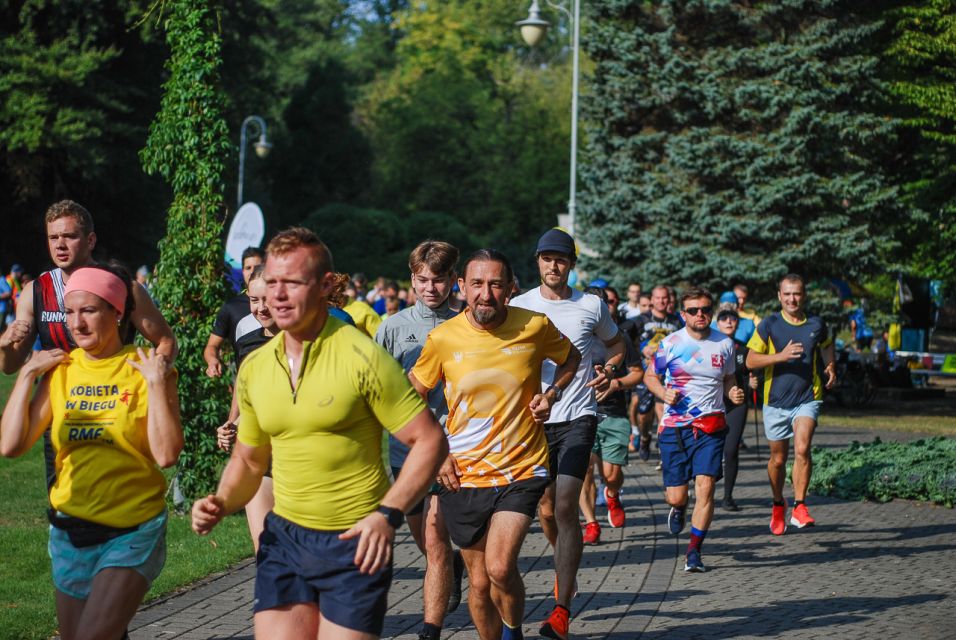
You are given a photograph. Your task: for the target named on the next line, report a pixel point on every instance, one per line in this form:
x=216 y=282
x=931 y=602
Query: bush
x=919 y=470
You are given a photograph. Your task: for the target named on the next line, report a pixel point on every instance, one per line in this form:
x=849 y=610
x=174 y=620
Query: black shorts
x=569 y=446
x=296 y=564
x=468 y=512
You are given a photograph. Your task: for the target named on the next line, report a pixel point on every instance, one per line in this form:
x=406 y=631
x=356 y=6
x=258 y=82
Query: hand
x=648 y=351
x=17 y=332
x=540 y=408
x=207 y=512
x=830 y=370
x=600 y=381
x=793 y=351
x=375 y=536
x=153 y=366
x=43 y=361
x=612 y=388
x=671 y=396
x=226 y=436
x=736 y=395
x=449 y=473
x=753 y=382
x=214 y=367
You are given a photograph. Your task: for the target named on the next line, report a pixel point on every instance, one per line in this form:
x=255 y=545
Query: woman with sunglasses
x=113 y=412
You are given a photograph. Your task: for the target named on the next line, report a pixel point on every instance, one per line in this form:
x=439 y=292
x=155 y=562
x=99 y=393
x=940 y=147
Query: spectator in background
x=14 y=281
x=6 y=304
x=744 y=326
x=389 y=292
x=632 y=308
x=743 y=294
x=391 y=307
x=360 y=286
x=862 y=333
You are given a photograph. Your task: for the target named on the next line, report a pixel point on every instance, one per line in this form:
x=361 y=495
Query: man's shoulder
x=526 y=300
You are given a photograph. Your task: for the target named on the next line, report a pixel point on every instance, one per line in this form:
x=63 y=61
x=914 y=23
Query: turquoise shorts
x=143 y=550
x=610 y=442
x=778 y=423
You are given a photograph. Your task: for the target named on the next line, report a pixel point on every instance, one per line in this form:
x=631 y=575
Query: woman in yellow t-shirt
x=113 y=413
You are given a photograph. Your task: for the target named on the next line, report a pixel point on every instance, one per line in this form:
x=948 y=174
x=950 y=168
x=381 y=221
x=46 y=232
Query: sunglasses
x=612 y=300
x=693 y=311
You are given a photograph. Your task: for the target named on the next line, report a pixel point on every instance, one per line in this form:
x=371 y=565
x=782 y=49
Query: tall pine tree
x=735 y=141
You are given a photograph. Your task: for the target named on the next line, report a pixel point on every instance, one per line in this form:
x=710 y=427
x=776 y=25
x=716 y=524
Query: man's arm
x=152 y=325
x=828 y=353
x=542 y=403
x=17 y=341
x=793 y=351
x=616 y=350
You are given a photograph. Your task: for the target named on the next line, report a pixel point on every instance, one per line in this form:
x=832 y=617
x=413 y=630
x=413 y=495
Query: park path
x=867 y=570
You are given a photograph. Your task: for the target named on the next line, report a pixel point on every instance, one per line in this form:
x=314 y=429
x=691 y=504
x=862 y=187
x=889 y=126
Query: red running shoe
x=556 y=626
x=615 y=512
x=801 y=518
x=592 y=533
x=778 y=520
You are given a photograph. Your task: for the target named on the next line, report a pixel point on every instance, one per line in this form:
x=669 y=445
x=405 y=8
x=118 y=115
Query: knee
x=499 y=572
x=566 y=511
x=479 y=584
x=546 y=511
x=802 y=453
x=777 y=460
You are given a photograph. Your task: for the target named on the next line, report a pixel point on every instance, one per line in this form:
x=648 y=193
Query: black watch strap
x=394 y=517
x=558 y=392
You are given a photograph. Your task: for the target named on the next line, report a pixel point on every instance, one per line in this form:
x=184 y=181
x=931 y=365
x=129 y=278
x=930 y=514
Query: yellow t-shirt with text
x=490 y=378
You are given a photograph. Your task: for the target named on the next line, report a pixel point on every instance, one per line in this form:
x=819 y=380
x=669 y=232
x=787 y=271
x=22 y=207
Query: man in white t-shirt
x=631 y=308
x=586 y=321
x=698 y=365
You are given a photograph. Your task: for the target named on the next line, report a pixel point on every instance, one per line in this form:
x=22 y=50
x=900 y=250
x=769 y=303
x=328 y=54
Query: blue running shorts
x=685 y=455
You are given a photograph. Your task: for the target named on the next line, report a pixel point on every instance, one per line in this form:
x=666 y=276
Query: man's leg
x=569 y=545
x=328 y=630
x=613 y=478
x=777 y=467
x=484 y=614
x=803 y=429
x=506 y=533
x=439 y=567
x=116 y=594
x=632 y=415
x=703 y=502
x=288 y=622
x=546 y=516
x=676 y=496
x=586 y=502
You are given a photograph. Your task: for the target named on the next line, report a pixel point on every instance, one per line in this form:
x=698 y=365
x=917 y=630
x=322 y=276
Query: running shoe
x=675 y=520
x=693 y=562
x=644 y=453
x=592 y=533
x=615 y=512
x=556 y=626
x=801 y=518
x=730 y=504
x=458 y=568
x=778 y=521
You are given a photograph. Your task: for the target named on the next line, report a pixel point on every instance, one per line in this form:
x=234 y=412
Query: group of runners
x=499 y=409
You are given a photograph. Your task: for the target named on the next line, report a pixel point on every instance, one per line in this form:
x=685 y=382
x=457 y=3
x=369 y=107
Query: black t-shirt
x=646 y=329
x=229 y=316
x=616 y=404
x=249 y=342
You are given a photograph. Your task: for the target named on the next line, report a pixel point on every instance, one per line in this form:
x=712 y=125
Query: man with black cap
x=586 y=321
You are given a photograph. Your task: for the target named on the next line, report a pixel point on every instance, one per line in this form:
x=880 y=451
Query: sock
x=781 y=503
x=635 y=431
x=431 y=631
x=511 y=633
x=797 y=503
x=696 y=539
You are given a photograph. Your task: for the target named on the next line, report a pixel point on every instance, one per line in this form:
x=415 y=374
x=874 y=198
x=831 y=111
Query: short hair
x=295 y=238
x=692 y=293
x=489 y=255
x=644 y=294
x=635 y=284
x=252 y=252
x=70 y=209
x=742 y=287
x=597 y=291
x=661 y=287
x=791 y=277
x=441 y=258
x=391 y=284
x=257 y=272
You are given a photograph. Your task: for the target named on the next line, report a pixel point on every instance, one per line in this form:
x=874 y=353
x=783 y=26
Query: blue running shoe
x=675 y=520
x=693 y=563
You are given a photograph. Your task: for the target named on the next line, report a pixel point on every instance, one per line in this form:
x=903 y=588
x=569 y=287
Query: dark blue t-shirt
x=789 y=384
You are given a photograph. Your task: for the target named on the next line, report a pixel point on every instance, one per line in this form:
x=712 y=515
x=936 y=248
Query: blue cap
x=728 y=296
x=16 y=267
x=556 y=240
x=600 y=283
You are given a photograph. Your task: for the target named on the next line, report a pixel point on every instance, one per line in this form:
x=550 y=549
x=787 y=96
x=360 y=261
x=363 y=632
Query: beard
x=485 y=315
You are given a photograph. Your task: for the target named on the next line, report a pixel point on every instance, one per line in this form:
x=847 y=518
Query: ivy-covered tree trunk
x=735 y=141
x=187 y=145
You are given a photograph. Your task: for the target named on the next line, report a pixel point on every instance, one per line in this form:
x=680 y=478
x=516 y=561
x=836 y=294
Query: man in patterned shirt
x=698 y=368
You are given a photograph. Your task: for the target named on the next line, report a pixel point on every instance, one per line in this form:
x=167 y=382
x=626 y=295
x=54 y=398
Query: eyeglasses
x=693 y=311
x=612 y=301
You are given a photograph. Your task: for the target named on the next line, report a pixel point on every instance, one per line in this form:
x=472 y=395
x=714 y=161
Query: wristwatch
x=394 y=517
x=610 y=367
x=557 y=392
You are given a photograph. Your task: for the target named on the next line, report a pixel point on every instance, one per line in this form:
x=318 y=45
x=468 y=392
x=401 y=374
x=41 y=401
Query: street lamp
x=262 y=145
x=533 y=29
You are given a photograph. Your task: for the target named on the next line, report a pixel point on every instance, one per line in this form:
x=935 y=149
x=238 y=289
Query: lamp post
x=262 y=145
x=533 y=30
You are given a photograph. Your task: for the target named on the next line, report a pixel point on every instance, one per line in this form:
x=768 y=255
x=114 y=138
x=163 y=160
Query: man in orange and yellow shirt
x=489 y=359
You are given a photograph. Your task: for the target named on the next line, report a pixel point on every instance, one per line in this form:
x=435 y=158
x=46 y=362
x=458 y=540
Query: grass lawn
x=936 y=416
x=26 y=589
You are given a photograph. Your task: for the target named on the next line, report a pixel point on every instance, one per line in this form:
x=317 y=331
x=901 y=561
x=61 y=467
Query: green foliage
x=736 y=141
x=920 y=470
x=187 y=146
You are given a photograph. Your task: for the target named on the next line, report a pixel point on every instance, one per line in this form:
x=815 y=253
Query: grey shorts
x=778 y=423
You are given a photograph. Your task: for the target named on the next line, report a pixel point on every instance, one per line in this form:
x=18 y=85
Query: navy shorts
x=300 y=565
x=569 y=446
x=685 y=455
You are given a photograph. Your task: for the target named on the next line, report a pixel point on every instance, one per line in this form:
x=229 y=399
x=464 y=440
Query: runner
x=316 y=398
x=365 y=318
x=610 y=442
x=432 y=265
x=229 y=316
x=489 y=360
x=114 y=415
x=792 y=345
x=40 y=312
x=698 y=365
x=586 y=321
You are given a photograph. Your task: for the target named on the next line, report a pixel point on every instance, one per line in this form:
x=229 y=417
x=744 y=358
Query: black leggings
x=736 y=421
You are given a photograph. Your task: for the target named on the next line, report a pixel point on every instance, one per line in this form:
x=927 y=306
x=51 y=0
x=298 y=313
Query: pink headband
x=100 y=283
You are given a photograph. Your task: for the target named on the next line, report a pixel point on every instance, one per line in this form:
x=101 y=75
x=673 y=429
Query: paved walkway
x=867 y=570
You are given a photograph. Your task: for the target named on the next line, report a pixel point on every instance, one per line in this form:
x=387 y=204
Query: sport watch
x=394 y=516
x=558 y=392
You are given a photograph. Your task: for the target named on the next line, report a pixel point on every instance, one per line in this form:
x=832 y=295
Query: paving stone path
x=866 y=571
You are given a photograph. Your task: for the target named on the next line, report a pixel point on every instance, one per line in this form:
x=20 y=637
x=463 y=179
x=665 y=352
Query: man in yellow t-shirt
x=316 y=400
x=489 y=358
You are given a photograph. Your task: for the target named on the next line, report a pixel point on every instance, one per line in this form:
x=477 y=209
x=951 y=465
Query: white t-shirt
x=586 y=321
x=696 y=369
x=630 y=312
